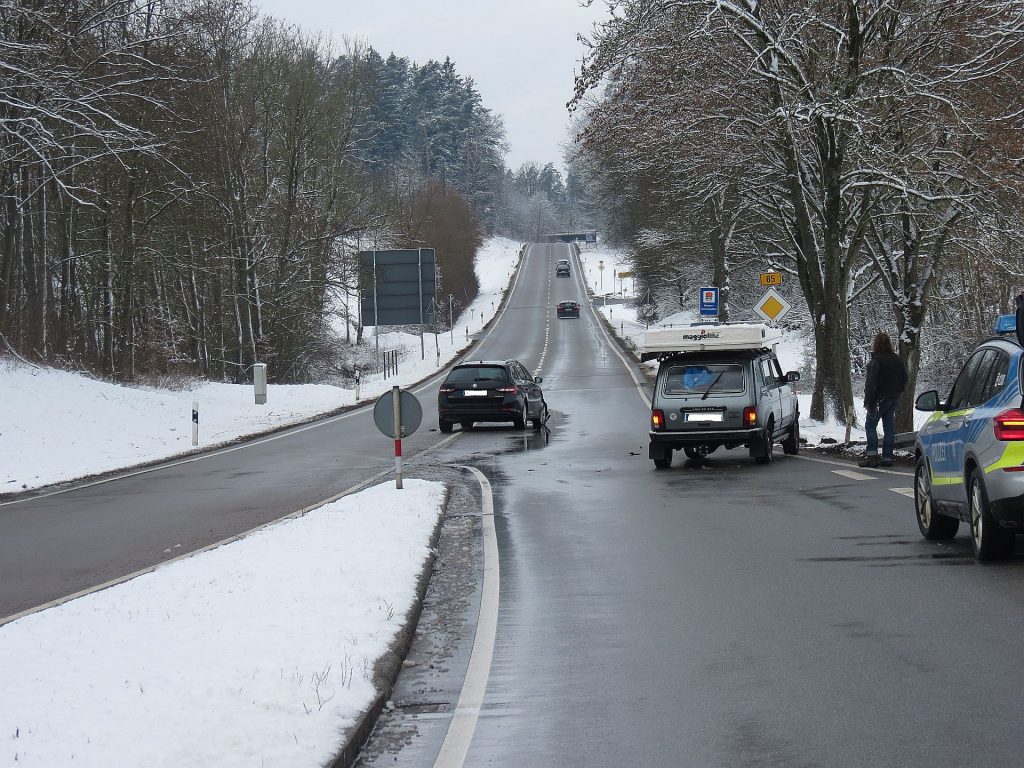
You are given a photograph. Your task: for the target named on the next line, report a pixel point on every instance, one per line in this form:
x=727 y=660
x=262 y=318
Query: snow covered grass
x=257 y=653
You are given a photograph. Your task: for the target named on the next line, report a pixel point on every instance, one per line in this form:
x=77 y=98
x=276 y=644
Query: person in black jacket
x=887 y=378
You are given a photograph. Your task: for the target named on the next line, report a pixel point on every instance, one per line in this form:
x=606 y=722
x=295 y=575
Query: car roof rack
x=660 y=343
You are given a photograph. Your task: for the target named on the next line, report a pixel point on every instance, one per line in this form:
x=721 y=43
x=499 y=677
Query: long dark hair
x=882 y=344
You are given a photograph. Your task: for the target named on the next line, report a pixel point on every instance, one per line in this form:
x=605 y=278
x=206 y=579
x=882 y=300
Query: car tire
x=933 y=526
x=444 y=426
x=665 y=462
x=542 y=416
x=989 y=541
x=768 y=439
x=519 y=421
x=791 y=445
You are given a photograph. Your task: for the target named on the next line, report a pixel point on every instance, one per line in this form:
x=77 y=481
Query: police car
x=970 y=453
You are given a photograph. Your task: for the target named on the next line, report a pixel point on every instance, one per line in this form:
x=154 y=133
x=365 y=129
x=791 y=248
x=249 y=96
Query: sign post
x=397 y=414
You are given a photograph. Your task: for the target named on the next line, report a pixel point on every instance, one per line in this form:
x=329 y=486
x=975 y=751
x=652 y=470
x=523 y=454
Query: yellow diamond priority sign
x=772 y=306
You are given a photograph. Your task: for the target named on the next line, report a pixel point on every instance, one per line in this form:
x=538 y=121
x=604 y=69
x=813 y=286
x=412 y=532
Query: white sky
x=523 y=54
x=210 y=660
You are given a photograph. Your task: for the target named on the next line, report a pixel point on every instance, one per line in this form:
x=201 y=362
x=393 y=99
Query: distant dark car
x=490 y=390
x=568 y=309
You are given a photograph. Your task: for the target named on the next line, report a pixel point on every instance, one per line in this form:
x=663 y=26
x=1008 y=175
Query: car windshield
x=695 y=378
x=467 y=376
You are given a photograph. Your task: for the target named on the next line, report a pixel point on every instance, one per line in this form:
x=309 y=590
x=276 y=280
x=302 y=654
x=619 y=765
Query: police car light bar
x=1006 y=324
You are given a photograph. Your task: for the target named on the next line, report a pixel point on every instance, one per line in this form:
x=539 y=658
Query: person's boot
x=886 y=461
x=871 y=460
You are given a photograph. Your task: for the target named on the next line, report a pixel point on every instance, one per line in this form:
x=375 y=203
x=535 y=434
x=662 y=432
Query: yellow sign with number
x=771 y=278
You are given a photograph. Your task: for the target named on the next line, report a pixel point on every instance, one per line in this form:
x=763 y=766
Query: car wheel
x=519 y=421
x=444 y=426
x=466 y=425
x=769 y=445
x=990 y=542
x=665 y=462
x=542 y=416
x=791 y=445
x=933 y=526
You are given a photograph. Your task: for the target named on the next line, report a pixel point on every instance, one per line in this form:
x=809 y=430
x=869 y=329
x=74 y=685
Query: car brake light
x=750 y=416
x=1009 y=425
x=657 y=419
x=506 y=389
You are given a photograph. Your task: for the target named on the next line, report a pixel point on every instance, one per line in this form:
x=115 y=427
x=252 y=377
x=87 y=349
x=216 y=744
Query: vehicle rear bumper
x=680 y=439
x=1009 y=512
x=508 y=412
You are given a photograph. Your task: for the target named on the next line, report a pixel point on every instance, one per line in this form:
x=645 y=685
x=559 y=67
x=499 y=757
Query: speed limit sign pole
x=396 y=400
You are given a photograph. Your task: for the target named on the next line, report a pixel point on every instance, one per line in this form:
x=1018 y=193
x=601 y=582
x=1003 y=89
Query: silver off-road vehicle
x=720 y=386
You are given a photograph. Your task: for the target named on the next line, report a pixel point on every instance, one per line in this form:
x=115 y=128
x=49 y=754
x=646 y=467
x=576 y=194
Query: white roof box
x=707 y=337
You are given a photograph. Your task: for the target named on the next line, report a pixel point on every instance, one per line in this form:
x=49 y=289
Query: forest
x=185 y=185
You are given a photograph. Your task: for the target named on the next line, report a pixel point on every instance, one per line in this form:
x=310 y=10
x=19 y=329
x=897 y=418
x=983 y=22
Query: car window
x=996 y=379
x=962 y=386
x=524 y=375
x=767 y=374
x=469 y=375
x=690 y=378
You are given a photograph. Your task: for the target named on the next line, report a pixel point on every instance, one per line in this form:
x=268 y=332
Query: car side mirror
x=538 y=379
x=793 y=376
x=928 y=401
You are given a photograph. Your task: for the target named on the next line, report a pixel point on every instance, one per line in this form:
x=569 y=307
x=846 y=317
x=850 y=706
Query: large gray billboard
x=397 y=287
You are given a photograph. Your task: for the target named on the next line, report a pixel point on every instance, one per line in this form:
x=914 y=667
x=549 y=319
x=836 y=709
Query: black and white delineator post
x=195 y=423
x=397 y=414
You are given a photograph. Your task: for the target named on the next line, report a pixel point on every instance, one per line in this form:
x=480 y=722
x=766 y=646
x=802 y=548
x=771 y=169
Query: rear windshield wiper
x=711 y=386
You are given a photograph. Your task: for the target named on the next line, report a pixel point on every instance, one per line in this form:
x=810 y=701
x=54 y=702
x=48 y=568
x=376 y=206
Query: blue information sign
x=709 y=302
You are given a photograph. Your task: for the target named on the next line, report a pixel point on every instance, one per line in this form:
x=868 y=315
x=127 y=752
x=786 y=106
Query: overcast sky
x=522 y=54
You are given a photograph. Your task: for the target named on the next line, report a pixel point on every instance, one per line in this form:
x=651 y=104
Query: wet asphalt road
x=716 y=614
x=723 y=614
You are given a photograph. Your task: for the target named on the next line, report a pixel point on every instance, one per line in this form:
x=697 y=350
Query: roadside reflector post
x=259 y=382
x=195 y=423
x=357 y=385
x=396 y=400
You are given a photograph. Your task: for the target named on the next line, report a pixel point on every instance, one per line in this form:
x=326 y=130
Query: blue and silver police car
x=970 y=453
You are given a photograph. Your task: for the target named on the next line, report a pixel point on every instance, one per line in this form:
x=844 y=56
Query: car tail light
x=750 y=416
x=1009 y=425
x=657 y=419
x=506 y=389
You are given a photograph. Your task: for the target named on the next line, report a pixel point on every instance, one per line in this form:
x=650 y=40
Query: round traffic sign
x=410 y=413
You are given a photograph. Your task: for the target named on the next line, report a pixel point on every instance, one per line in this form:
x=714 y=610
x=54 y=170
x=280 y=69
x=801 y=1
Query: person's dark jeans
x=886 y=413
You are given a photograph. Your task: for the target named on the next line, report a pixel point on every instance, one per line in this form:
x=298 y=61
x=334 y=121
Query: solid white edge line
x=467 y=711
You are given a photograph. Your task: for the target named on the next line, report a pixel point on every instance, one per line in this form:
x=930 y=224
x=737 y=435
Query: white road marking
x=851 y=474
x=467 y=711
x=836 y=463
x=908 y=492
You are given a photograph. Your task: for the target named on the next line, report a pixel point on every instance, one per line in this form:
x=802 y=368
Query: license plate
x=475 y=393
x=703 y=416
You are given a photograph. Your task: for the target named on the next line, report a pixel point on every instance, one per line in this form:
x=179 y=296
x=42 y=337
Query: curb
x=387 y=667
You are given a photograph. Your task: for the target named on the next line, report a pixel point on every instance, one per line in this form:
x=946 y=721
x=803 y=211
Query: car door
x=529 y=388
x=787 y=394
x=770 y=392
x=945 y=438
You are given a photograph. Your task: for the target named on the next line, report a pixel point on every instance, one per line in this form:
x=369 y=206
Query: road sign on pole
x=397 y=414
x=772 y=306
x=708 y=302
x=771 y=278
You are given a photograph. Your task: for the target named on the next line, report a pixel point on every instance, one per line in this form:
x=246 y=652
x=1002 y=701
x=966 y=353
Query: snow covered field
x=258 y=652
